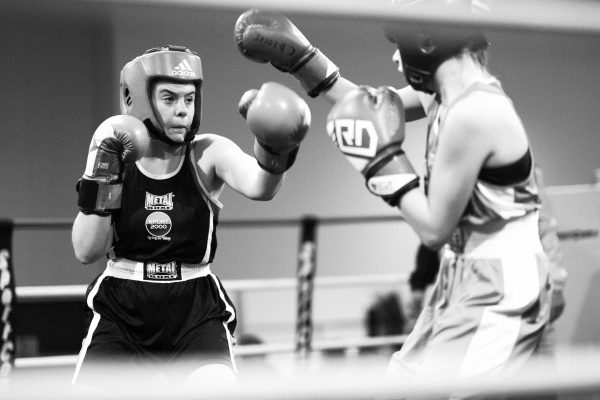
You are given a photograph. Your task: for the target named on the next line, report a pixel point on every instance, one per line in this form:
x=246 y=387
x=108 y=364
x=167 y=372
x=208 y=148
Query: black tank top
x=165 y=218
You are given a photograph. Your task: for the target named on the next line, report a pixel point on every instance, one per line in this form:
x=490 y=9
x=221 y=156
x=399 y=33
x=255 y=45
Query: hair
x=480 y=56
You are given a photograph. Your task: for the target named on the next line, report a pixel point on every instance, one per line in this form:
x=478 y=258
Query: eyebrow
x=163 y=90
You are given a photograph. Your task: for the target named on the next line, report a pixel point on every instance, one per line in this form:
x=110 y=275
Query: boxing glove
x=119 y=139
x=264 y=37
x=279 y=120
x=367 y=125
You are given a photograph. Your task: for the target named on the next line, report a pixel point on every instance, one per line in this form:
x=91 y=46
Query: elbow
x=85 y=259
x=262 y=196
x=87 y=256
x=267 y=196
x=433 y=240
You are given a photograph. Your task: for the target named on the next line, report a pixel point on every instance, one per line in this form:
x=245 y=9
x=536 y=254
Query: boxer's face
x=175 y=104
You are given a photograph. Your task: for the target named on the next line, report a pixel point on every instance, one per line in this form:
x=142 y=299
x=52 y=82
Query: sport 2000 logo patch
x=158 y=225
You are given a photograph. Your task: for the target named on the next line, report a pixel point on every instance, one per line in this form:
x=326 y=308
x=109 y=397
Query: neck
x=163 y=150
x=162 y=158
x=456 y=74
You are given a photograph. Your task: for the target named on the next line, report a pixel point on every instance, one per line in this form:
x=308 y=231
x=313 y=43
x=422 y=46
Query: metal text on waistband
x=162 y=272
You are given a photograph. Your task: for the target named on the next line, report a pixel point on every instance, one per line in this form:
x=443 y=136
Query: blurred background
x=59 y=76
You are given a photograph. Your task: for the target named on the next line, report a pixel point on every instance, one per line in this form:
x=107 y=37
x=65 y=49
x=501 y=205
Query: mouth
x=178 y=130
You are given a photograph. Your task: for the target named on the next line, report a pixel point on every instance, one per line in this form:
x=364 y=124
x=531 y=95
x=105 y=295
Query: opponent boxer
x=479 y=199
x=149 y=202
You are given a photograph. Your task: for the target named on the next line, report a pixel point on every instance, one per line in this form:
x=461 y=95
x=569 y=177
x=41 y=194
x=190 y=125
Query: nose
x=180 y=108
x=397 y=60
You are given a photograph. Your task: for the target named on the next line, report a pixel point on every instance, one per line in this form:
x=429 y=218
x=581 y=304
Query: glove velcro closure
x=97 y=197
x=400 y=179
x=273 y=162
x=394 y=198
x=316 y=73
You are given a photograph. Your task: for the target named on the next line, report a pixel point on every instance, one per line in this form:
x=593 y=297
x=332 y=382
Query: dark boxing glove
x=119 y=139
x=279 y=120
x=367 y=125
x=264 y=37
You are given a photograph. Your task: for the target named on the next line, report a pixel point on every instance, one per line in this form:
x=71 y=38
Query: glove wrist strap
x=273 y=162
x=97 y=197
x=316 y=73
x=401 y=179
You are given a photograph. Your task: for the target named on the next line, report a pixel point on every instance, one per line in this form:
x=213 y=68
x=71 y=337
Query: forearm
x=242 y=173
x=266 y=185
x=339 y=89
x=91 y=237
x=433 y=229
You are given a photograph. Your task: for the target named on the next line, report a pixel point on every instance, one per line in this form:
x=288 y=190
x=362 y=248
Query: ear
x=127 y=97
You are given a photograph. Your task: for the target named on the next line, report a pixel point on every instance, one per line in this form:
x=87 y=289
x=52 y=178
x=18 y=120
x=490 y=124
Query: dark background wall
x=59 y=79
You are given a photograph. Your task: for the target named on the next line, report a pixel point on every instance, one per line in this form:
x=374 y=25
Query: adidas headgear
x=425 y=46
x=169 y=63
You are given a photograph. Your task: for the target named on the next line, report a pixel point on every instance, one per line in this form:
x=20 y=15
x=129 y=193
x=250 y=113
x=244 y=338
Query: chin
x=178 y=138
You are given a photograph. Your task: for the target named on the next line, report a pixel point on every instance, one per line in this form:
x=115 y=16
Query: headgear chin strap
x=176 y=64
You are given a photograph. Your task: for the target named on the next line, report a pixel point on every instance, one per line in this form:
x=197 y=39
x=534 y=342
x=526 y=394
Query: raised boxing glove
x=264 y=37
x=119 y=139
x=367 y=125
x=279 y=120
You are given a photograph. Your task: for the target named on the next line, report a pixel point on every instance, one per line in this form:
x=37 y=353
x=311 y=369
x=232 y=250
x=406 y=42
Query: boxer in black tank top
x=149 y=202
x=167 y=218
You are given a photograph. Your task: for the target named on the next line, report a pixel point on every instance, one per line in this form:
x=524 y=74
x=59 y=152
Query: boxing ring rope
x=75 y=292
x=304 y=283
x=560 y=16
x=576 y=377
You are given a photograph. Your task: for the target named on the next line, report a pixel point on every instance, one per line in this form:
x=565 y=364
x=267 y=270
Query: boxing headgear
x=170 y=63
x=425 y=46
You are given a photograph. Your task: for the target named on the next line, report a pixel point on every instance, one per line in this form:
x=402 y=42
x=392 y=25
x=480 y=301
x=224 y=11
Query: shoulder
x=209 y=142
x=210 y=149
x=485 y=123
x=205 y=140
x=481 y=111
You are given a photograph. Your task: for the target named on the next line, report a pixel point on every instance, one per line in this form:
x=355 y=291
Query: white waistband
x=155 y=272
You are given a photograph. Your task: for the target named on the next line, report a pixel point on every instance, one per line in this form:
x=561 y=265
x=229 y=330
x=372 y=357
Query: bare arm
x=339 y=89
x=227 y=164
x=91 y=236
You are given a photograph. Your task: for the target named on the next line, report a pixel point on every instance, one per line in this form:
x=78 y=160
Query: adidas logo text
x=183 y=69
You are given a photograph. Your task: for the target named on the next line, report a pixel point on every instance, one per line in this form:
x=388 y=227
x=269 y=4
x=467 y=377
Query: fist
x=365 y=122
x=124 y=135
x=263 y=37
x=276 y=115
x=367 y=125
x=279 y=120
x=119 y=139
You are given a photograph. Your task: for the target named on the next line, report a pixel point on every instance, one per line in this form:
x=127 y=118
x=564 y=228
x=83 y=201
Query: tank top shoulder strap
x=191 y=163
